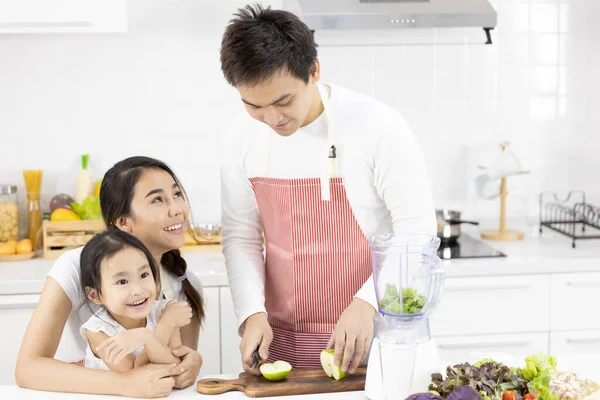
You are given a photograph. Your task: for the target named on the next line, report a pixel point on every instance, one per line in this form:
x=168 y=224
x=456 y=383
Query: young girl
x=118 y=274
x=143 y=197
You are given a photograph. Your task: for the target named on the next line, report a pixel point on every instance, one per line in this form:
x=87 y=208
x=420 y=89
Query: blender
x=408 y=280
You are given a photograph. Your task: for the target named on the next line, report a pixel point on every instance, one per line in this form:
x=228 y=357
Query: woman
x=143 y=197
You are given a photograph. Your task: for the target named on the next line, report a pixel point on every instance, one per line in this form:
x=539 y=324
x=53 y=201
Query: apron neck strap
x=329 y=156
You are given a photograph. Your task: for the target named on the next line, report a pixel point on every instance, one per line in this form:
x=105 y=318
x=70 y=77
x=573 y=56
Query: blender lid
x=405 y=243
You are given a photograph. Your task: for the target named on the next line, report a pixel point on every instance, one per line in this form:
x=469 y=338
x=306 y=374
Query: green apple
x=327 y=362
x=275 y=371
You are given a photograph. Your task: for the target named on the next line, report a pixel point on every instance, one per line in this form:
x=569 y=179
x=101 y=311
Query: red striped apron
x=317 y=258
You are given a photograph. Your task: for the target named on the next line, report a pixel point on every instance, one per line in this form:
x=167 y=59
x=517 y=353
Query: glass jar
x=9 y=215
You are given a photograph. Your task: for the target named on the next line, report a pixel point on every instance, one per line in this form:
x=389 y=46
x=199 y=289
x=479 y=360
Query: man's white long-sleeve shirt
x=379 y=160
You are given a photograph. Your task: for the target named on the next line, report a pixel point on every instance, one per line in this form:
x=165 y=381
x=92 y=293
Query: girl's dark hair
x=116 y=193
x=260 y=42
x=103 y=246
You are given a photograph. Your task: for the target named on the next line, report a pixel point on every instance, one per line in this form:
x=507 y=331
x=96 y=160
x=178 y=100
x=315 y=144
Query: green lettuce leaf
x=88 y=209
x=412 y=301
x=538 y=370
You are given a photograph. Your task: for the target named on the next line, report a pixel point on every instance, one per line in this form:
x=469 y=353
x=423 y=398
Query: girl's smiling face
x=127 y=287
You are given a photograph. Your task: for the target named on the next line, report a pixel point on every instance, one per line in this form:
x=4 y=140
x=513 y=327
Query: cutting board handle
x=219 y=386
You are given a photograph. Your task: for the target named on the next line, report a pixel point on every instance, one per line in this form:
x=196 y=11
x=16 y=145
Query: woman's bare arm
x=36 y=367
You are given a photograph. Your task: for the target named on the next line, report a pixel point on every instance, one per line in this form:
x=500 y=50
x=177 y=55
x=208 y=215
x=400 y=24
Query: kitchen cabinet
x=210 y=336
x=510 y=349
x=473 y=306
x=15 y=314
x=231 y=361
x=573 y=297
x=577 y=351
x=63 y=16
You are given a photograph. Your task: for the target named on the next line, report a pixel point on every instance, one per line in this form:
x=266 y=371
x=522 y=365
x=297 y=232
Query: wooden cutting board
x=300 y=381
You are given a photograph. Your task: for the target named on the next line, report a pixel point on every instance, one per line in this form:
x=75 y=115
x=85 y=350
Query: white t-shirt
x=66 y=273
x=102 y=321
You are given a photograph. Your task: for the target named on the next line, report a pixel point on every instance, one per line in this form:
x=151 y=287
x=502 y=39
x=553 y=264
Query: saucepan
x=448 y=224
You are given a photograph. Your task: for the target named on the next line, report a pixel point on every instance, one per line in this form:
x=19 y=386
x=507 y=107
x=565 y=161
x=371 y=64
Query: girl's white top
x=102 y=321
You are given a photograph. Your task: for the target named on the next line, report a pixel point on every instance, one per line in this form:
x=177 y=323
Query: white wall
x=158 y=91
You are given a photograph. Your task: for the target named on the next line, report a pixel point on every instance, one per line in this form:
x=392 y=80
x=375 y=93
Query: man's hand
x=257 y=335
x=352 y=335
x=189 y=366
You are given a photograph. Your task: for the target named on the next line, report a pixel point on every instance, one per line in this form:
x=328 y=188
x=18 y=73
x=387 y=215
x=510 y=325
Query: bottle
x=9 y=213
x=84 y=180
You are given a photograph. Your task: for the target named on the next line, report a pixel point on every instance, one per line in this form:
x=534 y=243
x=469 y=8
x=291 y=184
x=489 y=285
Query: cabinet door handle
x=584 y=340
x=40 y=24
x=583 y=284
x=489 y=287
x=11 y=306
x=484 y=345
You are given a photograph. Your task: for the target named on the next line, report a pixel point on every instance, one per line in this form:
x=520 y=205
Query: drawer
x=577 y=351
x=14 y=319
x=573 y=298
x=509 y=349
x=492 y=305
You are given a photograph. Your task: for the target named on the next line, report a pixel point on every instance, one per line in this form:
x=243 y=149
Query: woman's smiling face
x=159 y=212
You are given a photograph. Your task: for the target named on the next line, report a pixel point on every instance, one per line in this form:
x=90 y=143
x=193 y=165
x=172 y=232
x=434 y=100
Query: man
x=317 y=170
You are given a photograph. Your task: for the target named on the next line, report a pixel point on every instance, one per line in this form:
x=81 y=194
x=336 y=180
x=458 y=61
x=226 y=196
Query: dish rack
x=572 y=217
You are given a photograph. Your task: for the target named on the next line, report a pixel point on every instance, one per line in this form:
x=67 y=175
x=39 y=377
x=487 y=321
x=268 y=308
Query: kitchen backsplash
x=158 y=91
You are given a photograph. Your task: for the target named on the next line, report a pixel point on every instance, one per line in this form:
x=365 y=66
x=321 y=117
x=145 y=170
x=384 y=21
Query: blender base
x=427 y=361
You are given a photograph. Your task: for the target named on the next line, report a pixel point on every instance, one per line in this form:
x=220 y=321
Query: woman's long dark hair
x=116 y=193
x=103 y=246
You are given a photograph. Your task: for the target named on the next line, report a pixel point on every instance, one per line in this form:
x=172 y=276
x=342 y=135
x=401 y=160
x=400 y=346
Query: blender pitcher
x=408 y=282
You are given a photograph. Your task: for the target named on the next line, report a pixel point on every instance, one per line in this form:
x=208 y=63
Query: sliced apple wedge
x=275 y=371
x=328 y=364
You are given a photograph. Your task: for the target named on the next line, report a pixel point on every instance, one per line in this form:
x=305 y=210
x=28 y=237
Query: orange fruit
x=8 y=248
x=24 y=246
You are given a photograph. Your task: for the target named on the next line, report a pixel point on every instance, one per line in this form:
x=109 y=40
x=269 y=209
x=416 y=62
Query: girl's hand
x=119 y=346
x=176 y=314
x=190 y=367
x=149 y=381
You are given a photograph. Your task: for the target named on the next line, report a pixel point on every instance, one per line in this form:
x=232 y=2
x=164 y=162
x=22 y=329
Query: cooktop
x=467 y=247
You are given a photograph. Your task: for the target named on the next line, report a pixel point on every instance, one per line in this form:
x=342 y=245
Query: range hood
x=397 y=14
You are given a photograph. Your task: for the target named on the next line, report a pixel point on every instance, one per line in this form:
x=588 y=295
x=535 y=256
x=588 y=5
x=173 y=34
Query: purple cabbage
x=464 y=393
x=460 y=393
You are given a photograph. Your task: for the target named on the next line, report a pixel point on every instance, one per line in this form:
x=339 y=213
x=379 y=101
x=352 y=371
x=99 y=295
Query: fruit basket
x=62 y=236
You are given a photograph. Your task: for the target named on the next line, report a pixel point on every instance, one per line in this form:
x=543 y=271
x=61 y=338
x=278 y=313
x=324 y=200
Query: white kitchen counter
x=28 y=277
x=549 y=254
x=14 y=392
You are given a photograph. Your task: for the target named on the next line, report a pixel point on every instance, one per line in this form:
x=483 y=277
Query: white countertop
x=28 y=277
x=550 y=253
x=14 y=392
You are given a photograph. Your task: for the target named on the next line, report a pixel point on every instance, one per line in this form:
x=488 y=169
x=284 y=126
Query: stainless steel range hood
x=397 y=14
